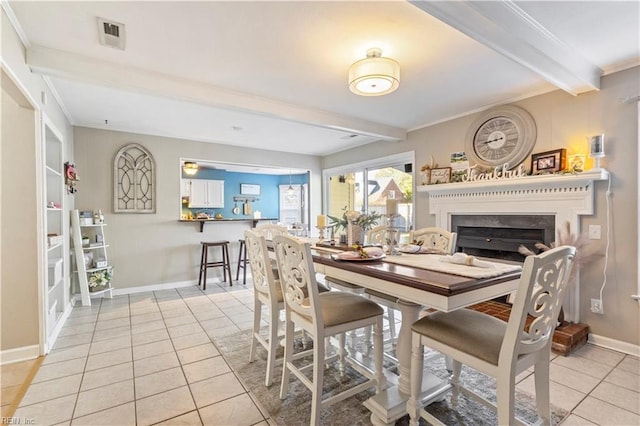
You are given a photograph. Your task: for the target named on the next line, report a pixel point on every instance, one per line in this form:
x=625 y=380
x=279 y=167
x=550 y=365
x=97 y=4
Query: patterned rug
x=296 y=408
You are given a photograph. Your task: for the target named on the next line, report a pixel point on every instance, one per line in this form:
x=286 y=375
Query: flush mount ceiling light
x=375 y=75
x=190 y=168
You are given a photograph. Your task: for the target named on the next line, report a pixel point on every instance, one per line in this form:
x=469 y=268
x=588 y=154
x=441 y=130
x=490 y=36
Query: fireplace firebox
x=500 y=236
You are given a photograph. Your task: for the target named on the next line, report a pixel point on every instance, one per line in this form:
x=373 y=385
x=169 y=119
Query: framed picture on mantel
x=440 y=175
x=249 y=189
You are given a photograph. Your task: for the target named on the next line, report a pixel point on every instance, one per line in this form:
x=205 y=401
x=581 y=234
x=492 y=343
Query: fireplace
x=564 y=198
x=500 y=236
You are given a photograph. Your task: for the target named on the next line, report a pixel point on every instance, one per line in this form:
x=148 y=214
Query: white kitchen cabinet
x=206 y=193
x=185 y=187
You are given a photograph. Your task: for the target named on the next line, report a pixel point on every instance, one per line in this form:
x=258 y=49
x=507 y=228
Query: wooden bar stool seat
x=242 y=262
x=205 y=263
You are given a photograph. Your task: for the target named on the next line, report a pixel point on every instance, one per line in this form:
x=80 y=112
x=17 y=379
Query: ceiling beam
x=57 y=63
x=510 y=31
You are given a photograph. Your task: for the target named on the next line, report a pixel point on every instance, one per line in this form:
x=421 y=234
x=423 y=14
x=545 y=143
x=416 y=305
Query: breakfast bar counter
x=227 y=220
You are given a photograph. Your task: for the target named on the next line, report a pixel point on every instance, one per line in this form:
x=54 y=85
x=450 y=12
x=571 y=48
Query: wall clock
x=505 y=134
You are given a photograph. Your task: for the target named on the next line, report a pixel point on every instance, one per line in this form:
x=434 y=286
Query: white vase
x=355 y=234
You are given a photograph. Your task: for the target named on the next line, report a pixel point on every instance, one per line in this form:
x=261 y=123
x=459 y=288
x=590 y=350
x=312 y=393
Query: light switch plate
x=595 y=232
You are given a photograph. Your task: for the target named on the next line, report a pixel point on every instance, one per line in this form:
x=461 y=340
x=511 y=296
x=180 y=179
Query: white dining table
x=414 y=287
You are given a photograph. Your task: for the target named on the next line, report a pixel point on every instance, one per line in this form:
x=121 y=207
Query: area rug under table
x=296 y=408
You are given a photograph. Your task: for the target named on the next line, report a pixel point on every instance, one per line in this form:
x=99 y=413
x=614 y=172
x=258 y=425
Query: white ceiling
x=273 y=75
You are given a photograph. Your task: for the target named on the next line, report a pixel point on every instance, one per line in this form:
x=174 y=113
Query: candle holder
x=392 y=236
x=321 y=232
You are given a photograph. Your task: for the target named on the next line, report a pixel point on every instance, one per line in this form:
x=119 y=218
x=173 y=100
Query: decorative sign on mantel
x=501 y=172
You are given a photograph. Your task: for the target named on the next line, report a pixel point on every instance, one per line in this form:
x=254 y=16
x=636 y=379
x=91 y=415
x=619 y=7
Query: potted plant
x=361 y=222
x=85 y=240
x=99 y=280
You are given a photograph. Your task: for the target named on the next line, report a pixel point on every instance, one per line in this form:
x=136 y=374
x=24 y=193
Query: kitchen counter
x=240 y=219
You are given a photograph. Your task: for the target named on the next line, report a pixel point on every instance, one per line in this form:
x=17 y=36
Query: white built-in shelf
x=53 y=247
x=54 y=286
x=94 y=225
x=53 y=171
x=54 y=209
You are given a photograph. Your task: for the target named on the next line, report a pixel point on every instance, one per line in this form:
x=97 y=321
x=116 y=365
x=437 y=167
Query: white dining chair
x=496 y=348
x=435 y=238
x=378 y=235
x=321 y=315
x=266 y=292
x=270 y=230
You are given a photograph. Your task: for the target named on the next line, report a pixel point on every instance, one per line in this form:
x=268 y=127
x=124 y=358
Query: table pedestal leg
x=390 y=404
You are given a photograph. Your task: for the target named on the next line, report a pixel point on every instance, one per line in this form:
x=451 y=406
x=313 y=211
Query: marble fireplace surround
x=567 y=197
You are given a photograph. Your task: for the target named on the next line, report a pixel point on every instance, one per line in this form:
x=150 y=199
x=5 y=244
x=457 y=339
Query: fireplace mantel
x=518 y=186
x=567 y=197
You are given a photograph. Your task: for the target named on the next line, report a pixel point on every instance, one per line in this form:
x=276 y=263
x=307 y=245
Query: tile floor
x=13 y=379
x=149 y=358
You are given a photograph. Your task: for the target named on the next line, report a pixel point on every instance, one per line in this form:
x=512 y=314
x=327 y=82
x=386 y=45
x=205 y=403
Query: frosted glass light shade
x=190 y=168
x=375 y=75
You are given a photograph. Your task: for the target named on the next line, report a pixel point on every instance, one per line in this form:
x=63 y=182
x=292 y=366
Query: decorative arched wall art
x=134 y=180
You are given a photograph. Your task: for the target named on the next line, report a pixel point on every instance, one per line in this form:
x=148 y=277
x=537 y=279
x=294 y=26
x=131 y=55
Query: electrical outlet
x=596 y=306
x=595 y=232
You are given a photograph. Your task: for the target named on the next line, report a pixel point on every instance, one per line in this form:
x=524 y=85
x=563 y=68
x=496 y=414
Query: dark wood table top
x=423 y=279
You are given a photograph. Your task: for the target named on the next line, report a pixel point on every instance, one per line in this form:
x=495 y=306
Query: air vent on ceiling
x=351 y=136
x=111 y=34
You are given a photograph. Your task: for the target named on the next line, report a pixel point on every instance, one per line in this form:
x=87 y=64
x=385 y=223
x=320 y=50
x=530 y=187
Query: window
x=367 y=186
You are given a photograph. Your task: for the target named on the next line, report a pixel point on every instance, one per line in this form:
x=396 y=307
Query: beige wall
x=150 y=249
x=564 y=121
x=19 y=276
x=19 y=219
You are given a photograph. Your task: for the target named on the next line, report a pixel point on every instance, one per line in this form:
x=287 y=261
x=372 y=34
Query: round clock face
x=503 y=135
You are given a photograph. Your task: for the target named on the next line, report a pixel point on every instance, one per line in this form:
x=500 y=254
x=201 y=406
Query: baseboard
x=23 y=353
x=616 y=345
x=152 y=287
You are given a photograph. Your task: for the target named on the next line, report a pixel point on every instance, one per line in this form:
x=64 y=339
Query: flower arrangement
x=582 y=257
x=99 y=278
x=364 y=220
x=566 y=238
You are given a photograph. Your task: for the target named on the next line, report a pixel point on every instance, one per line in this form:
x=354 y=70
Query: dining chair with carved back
x=267 y=292
x=496 y=348
x=435 y=238
x=321 y=315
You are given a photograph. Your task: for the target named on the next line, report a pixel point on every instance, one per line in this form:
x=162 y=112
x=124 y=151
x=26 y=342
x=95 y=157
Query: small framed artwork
x=249 y=189
x=549 y=161
x=440 y=175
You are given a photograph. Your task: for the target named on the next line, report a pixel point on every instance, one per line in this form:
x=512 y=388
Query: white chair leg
x=448 y=363
x=456 y=367
x=353 y=341
x=417 y=366
x=341 y=349
x=318 y=381
x=378 y=354
x=366 y=343
x=257 y=316
x=541 y=376
x=392 y=323
x=288 y=353
x=273 y=343
x=505 y=383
